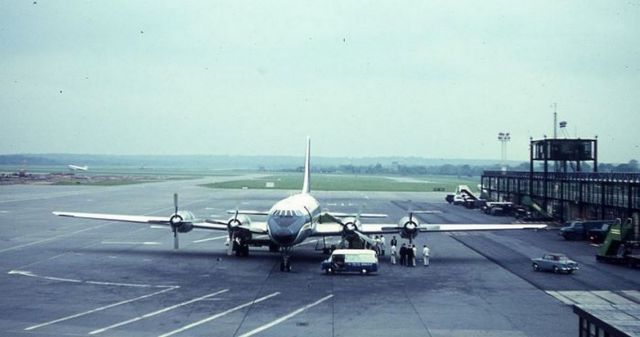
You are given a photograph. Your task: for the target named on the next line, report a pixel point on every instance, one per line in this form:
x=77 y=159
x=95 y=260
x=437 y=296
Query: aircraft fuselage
x=292 y=220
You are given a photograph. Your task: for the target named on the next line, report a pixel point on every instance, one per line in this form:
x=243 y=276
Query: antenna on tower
x=555 y=120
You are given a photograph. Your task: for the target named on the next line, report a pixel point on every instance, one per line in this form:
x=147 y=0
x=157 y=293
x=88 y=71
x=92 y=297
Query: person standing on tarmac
x=414 y=252
x=410 y=256
x=382 y=243
x=425 y=255
x=403 y=255
x=393 y=254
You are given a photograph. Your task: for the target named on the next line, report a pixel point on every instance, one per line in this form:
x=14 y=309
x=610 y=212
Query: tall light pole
x=504 y=137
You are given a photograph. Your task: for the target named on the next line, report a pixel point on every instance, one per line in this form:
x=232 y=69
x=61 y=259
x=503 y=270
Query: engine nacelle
x=409 y=227
x=182 y=221
x=234 y=227
x=237 y=221
x=350 y=225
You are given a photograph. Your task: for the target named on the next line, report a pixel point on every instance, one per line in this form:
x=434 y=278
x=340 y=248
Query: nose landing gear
x=285 y=264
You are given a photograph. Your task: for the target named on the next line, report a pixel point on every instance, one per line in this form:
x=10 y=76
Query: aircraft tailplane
x=306 y=185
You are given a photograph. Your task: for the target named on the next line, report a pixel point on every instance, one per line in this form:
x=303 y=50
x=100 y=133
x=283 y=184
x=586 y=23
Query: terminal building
x=563 y=182
x=560 y=186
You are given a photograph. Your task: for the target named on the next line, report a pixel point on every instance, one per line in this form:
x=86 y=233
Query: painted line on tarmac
x=145 y=243
x=211 y=239
x=51 y=278
x=60 y=279
x=157 y=312
x=49 y=196
x=98 y=309
x=286 y=317
x=79 y=231
x=211 y=318
x=50 y=239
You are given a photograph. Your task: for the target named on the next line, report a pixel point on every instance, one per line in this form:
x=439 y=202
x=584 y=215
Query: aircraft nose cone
x=284 y=237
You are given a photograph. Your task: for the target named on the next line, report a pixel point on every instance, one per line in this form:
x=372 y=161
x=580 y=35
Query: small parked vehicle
x=557 y=263
x=577 y=230
x=597 y=235
x=364 y=261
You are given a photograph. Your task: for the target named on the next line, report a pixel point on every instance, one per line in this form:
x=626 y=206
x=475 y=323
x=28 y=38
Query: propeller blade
x=232 y=239
x=175 y=202
x=176 y=244
x=410 y=210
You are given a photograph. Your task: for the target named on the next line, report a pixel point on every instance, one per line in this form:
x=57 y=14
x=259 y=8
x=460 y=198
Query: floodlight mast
x=504 y=137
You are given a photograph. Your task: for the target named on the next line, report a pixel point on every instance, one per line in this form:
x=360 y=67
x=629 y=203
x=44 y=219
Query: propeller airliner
x=291 y=221
x=78 y=168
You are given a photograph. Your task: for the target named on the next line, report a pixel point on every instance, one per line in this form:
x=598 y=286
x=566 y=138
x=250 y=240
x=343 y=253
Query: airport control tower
x=566 y=154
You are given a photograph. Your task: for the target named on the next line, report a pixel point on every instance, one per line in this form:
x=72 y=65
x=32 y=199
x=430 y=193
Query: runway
x=73 y=277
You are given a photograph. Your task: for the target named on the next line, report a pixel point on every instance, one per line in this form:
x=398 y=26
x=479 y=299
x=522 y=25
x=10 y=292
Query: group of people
x=408 y=254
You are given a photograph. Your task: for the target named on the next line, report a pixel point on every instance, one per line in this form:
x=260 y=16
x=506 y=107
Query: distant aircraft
x=464 y=196
x=292 y=220
x=78 y=168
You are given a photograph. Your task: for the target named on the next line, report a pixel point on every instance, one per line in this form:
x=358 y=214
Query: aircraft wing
x=330 y=229
x=361 y=215
x=455 y=227
x=255 y=227
x=152 y=220
x=247 y=212
x=334 y=228
x=327 y=229
x=476 y=227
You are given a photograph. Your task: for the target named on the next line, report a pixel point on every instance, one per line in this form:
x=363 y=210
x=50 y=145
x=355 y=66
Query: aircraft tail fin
x=306 y=185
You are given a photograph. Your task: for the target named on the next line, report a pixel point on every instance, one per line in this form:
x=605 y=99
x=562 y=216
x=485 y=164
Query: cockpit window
x=287 y=213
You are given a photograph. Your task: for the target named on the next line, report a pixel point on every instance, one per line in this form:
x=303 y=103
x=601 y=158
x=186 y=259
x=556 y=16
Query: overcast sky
x=434 y=79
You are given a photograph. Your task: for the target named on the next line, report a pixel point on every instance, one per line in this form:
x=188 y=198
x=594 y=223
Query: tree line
x=462 y=170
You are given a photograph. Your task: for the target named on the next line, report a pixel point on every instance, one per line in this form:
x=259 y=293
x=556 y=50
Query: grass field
x=102 y=182
x=121 y=170
x=325 y=182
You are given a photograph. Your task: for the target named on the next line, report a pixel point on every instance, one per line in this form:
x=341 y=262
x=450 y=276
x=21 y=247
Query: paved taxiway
x=73 y=277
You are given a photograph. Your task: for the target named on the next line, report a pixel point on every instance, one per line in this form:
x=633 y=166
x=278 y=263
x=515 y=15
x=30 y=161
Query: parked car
x=362 y=261
x=557 y=263
x=577 y=230
x=597 y=235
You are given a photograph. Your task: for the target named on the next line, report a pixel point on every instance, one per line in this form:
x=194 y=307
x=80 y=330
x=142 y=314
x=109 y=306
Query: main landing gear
x=241 y=249
x=285 y=264
x=237 y=245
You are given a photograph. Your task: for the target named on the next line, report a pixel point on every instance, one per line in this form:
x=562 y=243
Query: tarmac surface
x=74 y=277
